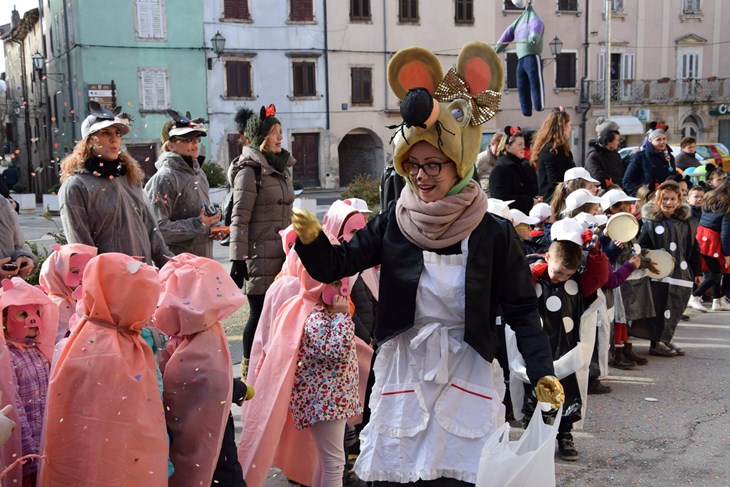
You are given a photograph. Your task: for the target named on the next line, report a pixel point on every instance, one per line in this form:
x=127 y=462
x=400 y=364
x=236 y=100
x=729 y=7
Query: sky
x=21 y=6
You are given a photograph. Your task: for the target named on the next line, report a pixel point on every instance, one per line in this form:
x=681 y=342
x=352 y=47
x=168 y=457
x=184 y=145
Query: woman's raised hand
x=306 y=225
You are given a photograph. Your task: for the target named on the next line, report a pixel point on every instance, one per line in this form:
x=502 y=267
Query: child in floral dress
x=325 y=389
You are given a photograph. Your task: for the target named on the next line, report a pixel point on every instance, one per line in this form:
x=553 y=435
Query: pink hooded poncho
x=197 y=293
x=269 y=436
x=58 y=280
x=105 y=424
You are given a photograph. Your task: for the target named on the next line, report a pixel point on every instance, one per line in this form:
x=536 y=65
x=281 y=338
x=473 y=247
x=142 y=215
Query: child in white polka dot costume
x=565 y=289
x=666 y=226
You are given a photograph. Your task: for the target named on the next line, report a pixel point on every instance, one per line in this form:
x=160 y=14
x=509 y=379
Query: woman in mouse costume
x=446 y=267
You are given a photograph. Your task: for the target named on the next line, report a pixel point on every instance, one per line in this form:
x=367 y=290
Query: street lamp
x=556 y=46
x=219 y=45
x=38 y=62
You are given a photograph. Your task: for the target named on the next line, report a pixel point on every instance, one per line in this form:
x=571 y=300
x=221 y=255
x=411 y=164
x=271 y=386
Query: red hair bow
x=271 y=110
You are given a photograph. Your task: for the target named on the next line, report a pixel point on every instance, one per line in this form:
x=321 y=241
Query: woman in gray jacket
x=102 y=201
x=179 y=189
x=262 y=204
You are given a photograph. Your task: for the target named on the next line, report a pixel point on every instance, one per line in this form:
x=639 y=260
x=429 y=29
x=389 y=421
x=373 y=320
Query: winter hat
x=242 y=117
x=606 y=124
x=578 y=198
x=653 y=134
x=578 y=173
x=258 y=126
x=445 y=111
x=101 y=118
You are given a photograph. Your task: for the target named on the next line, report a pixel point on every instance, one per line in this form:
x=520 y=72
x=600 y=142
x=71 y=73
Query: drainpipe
x=326 y=68
x=585 y=103
x=385 y=57
x=24 y=94
x=68 y=69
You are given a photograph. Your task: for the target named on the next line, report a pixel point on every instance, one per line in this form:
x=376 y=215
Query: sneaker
x=720 y=304
x=566 y=448
x=695 y=302
x=676 y=349
x=661 y=350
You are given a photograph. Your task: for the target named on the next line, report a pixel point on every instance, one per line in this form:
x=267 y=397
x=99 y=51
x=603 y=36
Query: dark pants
x=530 y=86
x=255 y=306
x=712 y=279
x=228 y=472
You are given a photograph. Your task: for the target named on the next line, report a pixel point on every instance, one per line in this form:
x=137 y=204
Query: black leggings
x=255 y=306
x=712 y=279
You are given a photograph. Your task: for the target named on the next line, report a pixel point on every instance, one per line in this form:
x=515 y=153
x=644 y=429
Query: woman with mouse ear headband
x=178 y=192
x=438 y=386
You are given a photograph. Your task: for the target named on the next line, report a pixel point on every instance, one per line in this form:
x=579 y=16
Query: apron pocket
x=466 y=410
x=401 y=411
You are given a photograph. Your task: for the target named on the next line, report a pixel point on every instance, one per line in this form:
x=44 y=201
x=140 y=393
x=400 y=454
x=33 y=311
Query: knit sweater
x=526 y=32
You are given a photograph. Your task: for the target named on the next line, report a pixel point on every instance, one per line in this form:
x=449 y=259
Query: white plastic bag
x=526 y=462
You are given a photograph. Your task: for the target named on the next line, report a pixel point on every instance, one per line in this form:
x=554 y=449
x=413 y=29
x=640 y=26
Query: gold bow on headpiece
x=484 y=105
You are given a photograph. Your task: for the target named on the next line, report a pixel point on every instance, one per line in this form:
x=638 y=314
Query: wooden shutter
x=565 y=65
x=158 y=26
x=238 y=78
x=142 y=20
x=301 y=10
x=236 y=9
x=154 y=91
x=511 y=65
x=568 y=5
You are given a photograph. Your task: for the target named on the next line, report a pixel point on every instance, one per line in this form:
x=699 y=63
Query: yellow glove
x=306 y=225
x=249 y=393
x=549 y=389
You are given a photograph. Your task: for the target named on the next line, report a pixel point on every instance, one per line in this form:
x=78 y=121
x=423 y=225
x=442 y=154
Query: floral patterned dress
x=326 y=379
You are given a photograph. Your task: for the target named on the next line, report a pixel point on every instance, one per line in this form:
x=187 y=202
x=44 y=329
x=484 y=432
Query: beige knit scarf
x=439 y=224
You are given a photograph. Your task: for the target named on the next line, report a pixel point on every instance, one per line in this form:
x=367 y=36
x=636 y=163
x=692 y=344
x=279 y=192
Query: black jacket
x=513 y=179
x=604 y=164
x=648 y=167
x=551 y=170
x=497 y=276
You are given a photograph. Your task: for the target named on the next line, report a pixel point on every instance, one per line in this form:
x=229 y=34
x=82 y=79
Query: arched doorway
x=360 y=152
x=692 y=126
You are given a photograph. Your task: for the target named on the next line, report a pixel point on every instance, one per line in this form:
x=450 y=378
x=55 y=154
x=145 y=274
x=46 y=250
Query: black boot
x=566 y=448
x=621 y=362
x=630 y=355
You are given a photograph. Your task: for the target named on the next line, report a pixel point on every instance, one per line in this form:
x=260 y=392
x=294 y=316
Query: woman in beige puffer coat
x=262 y=204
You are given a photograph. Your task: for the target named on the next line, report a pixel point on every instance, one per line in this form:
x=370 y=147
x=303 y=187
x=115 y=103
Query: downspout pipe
x=385 y=57
x=326 y=68
x=585 y=103
x=68 y=69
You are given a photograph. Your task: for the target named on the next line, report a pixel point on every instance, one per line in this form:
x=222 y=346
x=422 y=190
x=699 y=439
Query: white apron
x=435 y=400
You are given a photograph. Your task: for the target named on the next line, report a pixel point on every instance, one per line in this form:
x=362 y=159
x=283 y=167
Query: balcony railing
x=661 y=91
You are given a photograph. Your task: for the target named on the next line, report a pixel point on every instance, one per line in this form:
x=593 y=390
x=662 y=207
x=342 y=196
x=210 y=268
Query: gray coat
x=12 y=243
x=112 y=215
x=258 y=215
x=177 y=193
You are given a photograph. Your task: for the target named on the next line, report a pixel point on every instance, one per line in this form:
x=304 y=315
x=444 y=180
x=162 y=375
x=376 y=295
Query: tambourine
x=663 y=261
x=622 y=227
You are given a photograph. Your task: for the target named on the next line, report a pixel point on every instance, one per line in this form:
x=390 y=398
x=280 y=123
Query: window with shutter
x=565 y=70
x=617 y=6
x=691 y=7
x=238 y=79
x=236 y=10
x=234 y=146
x=464 y=13
x=303 y=74
x=150 y=20
x=508 y=5
x=301 y=10
x=511 y=65
x=568 y=5
x=408 y=11
x=362 y=87
x=154 y=89
x=359 y=9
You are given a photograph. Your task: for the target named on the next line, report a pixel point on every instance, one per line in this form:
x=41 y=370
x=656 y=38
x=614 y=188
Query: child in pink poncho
x=29 y=323
x=197 y=293
x=61 y=275
x=105 y=423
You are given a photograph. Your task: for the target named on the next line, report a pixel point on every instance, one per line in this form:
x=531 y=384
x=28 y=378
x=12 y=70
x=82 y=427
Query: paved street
x=681 y=438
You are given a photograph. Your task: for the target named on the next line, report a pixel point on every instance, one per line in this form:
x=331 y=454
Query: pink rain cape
x=197 y=293
x=284 y=287
x=56 y=278
x=269 y=436
x=105 y=424
x=17 y=292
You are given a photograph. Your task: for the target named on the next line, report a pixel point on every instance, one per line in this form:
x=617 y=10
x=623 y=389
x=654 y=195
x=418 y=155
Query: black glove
x=239 y=272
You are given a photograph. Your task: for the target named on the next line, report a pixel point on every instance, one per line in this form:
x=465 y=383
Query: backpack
x=391 y=184
x=227 y=204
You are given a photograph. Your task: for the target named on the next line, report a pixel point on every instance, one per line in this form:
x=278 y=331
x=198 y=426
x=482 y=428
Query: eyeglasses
x=188 y=140
x=432 y=169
